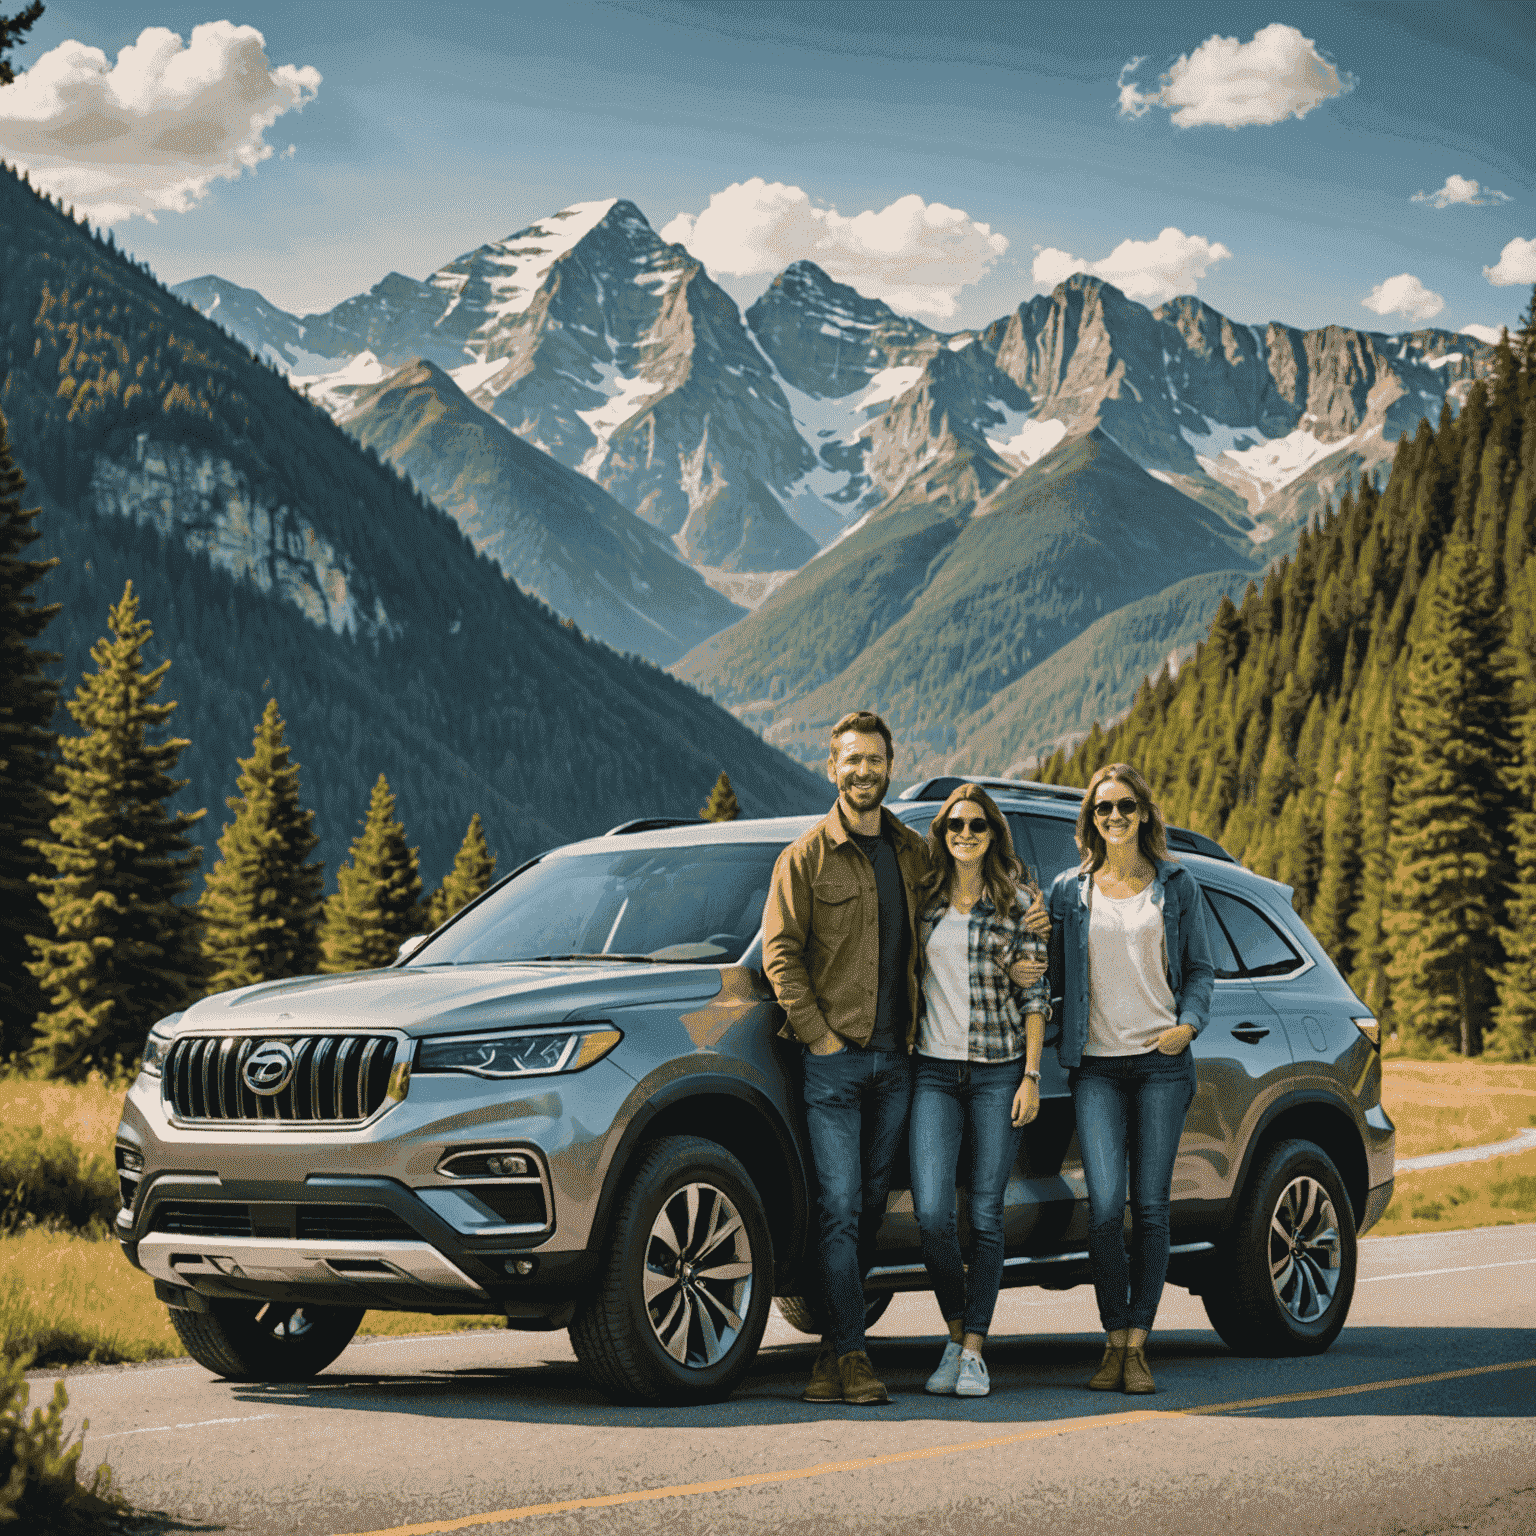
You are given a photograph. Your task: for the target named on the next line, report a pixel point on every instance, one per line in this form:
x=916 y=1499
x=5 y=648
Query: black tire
x=678 y=1266
x=1266 y=1298
x=805 y=1313
x=265 y=1340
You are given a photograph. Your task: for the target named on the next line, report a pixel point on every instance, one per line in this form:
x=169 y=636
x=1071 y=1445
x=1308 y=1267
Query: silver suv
x=569 y=1106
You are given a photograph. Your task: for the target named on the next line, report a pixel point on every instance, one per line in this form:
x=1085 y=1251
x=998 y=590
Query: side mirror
x=409 y=948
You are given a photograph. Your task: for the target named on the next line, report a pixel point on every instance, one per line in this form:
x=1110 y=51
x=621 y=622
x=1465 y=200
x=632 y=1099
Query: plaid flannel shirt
x=998 y=1006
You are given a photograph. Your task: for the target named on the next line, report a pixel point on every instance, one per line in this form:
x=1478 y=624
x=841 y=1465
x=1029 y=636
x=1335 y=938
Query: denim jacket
x=1186 y=951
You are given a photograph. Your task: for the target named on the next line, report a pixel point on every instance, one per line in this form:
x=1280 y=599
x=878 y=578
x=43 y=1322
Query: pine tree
x=1443 y=902
x=474 y=866
x=28 y=755
x=261 y=905
x=1514 y=1038
x=377 y=905
x=721 y=805
x=122 y=952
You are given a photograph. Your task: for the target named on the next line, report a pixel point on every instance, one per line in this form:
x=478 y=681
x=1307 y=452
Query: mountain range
x=891 y=501
x=277 y=556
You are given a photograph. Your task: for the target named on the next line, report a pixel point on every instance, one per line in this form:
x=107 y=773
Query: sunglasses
x=1104 y=809
x=975 y=825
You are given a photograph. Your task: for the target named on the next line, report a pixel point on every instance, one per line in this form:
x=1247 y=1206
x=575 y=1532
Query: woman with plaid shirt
x=978 y=1062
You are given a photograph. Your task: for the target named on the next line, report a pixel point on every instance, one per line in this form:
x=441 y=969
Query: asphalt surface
x=1421 y=1419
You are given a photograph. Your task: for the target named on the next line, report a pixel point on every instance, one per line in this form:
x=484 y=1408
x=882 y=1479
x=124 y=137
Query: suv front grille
x=337 y=1079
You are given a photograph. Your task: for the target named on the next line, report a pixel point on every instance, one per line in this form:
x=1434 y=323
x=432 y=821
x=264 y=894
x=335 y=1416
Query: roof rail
x=944 y=785
x=651 y=824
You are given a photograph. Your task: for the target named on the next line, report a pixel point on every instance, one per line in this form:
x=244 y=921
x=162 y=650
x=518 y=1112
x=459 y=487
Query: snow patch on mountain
x=1021 y=439
x=624 y=397
x=524 y=264
x=471 y=376
x=334 y=390
x=1268 y=463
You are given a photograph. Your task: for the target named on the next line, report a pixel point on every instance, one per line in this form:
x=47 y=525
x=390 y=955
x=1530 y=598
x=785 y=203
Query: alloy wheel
x=698 y=1275
x=1305 y=1250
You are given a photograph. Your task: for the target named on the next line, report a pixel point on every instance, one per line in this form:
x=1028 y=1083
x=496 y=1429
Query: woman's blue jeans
x=951 y=1099
x=1130 y=1111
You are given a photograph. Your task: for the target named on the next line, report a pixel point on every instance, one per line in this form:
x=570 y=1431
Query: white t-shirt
x=1129 y=1001
x=946 y=1029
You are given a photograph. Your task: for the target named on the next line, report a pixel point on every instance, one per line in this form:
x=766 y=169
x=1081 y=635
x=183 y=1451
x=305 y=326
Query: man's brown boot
x=1110 y=1376
x=826 y=1380
x=1138 y=1378
x=860 y=1384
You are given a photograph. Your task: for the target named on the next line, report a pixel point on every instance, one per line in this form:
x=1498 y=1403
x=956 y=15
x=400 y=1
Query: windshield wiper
x=589 y=955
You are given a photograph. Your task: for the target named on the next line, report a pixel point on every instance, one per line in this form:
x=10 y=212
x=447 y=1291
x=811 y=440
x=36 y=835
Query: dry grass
x=1498 y=1193
x=86 y=1112
x=1438 y=1106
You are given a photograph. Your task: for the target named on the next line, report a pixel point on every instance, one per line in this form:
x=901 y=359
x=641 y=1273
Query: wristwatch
x=1034 y=1075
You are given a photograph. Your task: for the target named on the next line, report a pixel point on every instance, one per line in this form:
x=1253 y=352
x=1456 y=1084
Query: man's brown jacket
x=821 y=930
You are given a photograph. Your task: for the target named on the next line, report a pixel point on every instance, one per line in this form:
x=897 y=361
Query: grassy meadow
x=67 y=1295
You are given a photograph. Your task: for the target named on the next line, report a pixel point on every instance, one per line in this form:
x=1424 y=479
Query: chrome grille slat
x=337 y=1079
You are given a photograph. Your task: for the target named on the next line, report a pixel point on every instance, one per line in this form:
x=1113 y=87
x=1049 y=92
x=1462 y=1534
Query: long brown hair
x=1151 y=835
x=1001 y=871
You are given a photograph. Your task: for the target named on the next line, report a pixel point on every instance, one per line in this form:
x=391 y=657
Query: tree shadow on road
x=1034 y=1379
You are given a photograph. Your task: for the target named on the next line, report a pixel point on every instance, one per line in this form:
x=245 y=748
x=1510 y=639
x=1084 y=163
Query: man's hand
x=1037 y=919
x=1174 y=1040
x=828 y=1045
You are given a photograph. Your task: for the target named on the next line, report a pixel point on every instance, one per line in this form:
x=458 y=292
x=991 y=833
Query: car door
x=1243 y=1061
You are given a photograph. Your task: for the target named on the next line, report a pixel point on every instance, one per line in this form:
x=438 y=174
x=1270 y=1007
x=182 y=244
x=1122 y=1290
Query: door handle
x=1250 y=1034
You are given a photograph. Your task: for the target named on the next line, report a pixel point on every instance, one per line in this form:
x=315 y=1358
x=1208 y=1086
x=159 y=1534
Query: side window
x=1045 y=843
x=1259 y=945
x=1227 y=968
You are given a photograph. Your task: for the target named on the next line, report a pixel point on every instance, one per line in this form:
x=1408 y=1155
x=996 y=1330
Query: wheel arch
x=1321 y=1119
x=743 y=1120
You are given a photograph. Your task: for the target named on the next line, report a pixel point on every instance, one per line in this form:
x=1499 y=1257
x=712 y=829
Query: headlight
x=524 y=1055
x=158 y=1044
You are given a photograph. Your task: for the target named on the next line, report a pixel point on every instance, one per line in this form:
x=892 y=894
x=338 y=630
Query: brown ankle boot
x=1110 y=1376
x=860 y=1384
x=826 y=1384
x=1138 y=1378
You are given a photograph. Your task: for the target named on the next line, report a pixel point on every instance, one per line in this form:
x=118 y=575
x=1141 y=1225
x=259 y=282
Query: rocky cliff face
x=201 y=501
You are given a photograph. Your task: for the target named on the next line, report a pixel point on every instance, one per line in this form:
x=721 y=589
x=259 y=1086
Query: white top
x=946 y=1029
x=1129 y=1001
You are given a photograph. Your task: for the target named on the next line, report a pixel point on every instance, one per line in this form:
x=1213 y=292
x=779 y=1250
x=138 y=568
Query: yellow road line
x=922 y=1453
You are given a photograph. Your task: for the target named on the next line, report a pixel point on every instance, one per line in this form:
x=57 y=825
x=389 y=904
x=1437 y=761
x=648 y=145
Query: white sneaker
x=971 y=1379
x=942 y=1382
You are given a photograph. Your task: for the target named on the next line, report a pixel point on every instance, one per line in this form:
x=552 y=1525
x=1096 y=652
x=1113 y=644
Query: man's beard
x=864 y=798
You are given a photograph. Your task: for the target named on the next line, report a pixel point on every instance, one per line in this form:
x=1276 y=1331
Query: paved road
x=438 y=1433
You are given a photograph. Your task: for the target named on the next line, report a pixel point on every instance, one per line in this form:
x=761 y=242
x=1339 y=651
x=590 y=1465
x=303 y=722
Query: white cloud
x=1488 y=333
x=1149 y=270
x=1461 y=189
x=1516 y=264
x=1279 y=74
x=151 y=133
x=1404 y=295
x=916 y=256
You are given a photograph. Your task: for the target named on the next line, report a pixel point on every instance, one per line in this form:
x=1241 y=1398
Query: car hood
x=432 y=999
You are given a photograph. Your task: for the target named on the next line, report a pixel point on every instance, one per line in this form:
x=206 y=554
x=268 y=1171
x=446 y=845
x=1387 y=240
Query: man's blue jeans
x=1130 y=1109
x=856 y=1106
x=949 y=1100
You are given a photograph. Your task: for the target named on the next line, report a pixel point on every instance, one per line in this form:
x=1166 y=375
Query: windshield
x=702 y=903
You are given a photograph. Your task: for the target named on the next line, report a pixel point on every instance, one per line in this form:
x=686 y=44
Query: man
x=840 y=949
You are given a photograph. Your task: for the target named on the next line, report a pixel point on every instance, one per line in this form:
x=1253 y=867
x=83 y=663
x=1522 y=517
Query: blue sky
x=433 y=129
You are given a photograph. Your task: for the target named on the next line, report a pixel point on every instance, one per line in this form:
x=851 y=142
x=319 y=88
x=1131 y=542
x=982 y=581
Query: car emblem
x=269 y=1069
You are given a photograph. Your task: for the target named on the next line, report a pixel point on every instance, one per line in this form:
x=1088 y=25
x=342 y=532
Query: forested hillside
x=275 y=558
x=1364 y=727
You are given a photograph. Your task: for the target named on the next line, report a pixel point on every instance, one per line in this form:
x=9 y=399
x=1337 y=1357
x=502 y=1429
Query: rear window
x=1227 y=968
x=1260 y=947
x=1046 y=844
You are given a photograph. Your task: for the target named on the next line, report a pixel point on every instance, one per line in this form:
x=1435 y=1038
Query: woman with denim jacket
x=977 y=1074
x=1132 y=964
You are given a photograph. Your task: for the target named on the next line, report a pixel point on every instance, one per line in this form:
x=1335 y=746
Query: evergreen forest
x=1363 y=727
